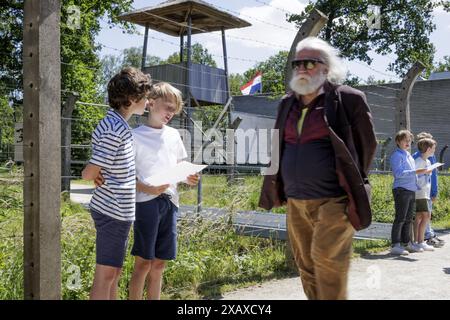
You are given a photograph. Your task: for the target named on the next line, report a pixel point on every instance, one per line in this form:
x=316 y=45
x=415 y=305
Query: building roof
x=257 y=105
x=439 y=75
x=171 y=17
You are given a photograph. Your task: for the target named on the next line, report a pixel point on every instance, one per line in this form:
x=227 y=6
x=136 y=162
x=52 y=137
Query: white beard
x=304 y=84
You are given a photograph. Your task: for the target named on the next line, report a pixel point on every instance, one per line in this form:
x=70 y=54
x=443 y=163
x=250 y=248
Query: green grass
x=244 y=196
x=211 y=260
x=211 y=256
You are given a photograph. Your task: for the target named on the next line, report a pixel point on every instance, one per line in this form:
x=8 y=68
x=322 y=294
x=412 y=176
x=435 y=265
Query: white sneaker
x=426 y=247
x=397 y=249
x=414 y=247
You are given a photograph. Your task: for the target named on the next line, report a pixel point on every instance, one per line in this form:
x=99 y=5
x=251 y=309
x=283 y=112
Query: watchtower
x=201 y=85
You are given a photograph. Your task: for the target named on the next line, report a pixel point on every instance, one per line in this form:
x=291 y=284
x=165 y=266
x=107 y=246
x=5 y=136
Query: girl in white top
x=426 y=148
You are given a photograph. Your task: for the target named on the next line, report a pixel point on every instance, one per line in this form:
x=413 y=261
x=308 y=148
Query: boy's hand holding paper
x=175 y=174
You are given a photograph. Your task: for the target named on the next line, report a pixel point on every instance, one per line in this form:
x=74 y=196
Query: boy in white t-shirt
x=426 y=148
x=157 y=146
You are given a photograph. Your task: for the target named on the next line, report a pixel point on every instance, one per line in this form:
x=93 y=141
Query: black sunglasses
x=308 y=64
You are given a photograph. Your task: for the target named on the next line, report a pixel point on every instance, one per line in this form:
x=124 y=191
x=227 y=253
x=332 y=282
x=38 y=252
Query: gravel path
x=380 y=276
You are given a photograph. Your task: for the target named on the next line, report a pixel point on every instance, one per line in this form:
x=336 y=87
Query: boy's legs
x=137 y=282
x=155 y=240
x=154 y=279
x=115 y=286
x=406 y=234
x=111 y=245
x=425 y=221
x=421 y=226
x=401 y=228
x=105 y=282
x=429 y=232
x=417 y=223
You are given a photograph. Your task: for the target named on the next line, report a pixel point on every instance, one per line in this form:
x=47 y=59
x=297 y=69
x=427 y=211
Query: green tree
x=443 y=65
x=6 y=128
x=79 y=56
x=352 y=80
x=371 y=81
x=405 y=29
x=112 y=64
x=199 y=55
x=272 y=74
x=236 y=81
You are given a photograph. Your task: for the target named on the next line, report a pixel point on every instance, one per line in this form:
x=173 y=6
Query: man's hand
x=433 y=199
x=193 y=179
x=99 y=180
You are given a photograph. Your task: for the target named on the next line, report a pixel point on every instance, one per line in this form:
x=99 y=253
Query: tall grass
x=210 y=254
x=244 y=196
x=211 y=257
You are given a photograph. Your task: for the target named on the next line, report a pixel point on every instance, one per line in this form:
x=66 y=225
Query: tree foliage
x=405 y=29
x=79 y=55
x=199 y=55
x=443 y=65
x=272 y=71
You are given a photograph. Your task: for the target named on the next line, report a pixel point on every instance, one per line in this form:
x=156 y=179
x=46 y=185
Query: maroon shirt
x=314 y=126
x=308 y=162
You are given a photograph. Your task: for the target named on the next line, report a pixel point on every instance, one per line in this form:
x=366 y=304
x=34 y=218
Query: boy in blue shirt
x=112 y=167
x=430 y=236
x=404 y=189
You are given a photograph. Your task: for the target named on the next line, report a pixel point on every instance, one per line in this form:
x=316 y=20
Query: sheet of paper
x=434 y=166
x=174 y=174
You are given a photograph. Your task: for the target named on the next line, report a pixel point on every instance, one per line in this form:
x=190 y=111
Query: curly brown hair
x=130 y=84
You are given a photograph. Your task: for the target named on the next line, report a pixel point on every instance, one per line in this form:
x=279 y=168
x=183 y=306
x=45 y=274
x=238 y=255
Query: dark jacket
x=353 y=139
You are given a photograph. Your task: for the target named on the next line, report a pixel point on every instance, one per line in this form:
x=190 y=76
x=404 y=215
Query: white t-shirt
x=423 y=180
x=155 y=150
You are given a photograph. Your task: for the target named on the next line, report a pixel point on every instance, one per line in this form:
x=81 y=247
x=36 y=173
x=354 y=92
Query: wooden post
x=230 y=171
x=383 y=153
x=190 y=113
x=66 y=140
x=42 y=149
x=181 y=48
x=144 y=49
x=312 y=26
x=402 y=114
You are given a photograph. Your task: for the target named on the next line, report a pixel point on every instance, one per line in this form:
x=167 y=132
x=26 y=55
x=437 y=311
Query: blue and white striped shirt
x=112 y=150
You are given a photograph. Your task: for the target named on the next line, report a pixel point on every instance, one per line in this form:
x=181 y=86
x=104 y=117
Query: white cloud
x=269 y=26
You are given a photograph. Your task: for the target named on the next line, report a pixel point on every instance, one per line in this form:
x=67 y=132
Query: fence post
x=312 y=26
x=66 y=139
x=383 y=153
x=42 y=149
x=402 y=114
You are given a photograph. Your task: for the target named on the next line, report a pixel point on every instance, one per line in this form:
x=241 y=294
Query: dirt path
x=379 y=276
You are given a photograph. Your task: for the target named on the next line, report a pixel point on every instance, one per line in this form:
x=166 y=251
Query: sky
x=269 y=33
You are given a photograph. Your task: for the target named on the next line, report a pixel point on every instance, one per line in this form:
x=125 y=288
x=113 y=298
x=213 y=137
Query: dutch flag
x=254 y=85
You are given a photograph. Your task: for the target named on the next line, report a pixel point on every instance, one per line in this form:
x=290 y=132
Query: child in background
x=404 y=191
x=426 y=148
x=430 y=237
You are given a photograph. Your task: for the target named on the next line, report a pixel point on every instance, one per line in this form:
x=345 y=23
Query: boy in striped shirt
x=112 y=167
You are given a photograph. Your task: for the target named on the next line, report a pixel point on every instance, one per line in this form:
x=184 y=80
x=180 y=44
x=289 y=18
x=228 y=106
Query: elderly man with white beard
x=326 y=146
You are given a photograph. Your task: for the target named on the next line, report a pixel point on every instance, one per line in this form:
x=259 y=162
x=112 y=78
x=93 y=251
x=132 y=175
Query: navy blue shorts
x=155 y=229
x=111 y=239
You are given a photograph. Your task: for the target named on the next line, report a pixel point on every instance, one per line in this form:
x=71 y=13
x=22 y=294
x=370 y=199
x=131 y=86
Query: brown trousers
x=321 y=239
